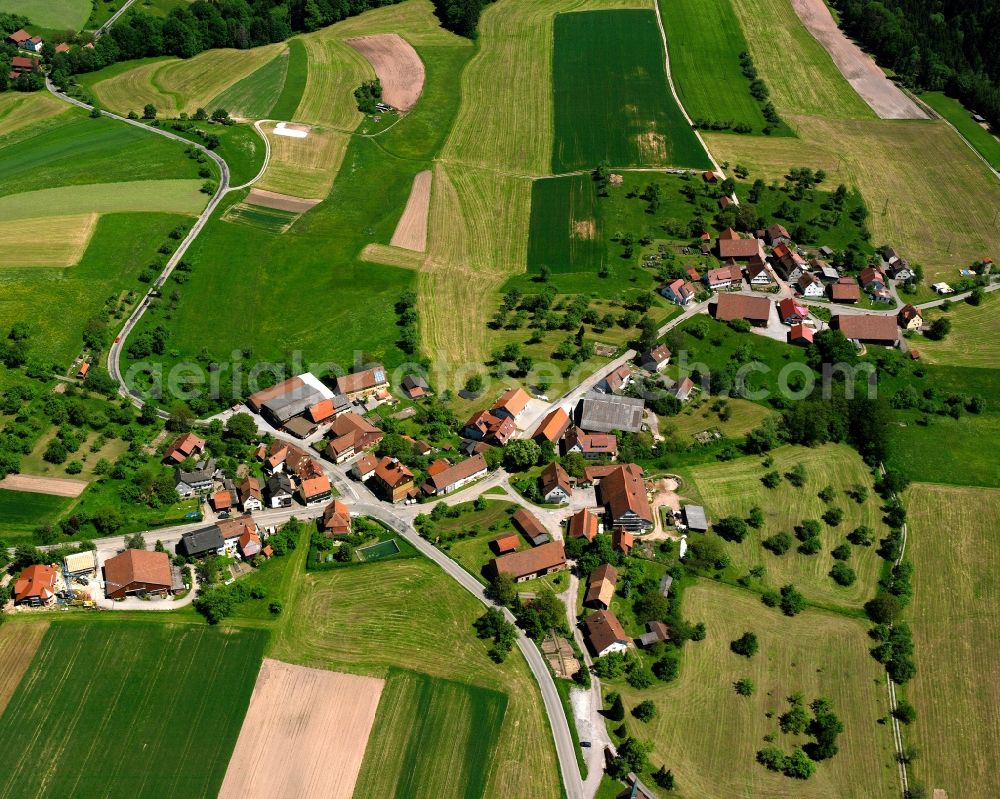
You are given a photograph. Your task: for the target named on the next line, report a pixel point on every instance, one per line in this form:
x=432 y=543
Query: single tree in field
x=149 y=111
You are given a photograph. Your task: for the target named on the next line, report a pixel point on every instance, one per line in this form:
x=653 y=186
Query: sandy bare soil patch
x=652 y=146
x=885 y=98
x=291 y=130
x=584 y=229
x=17 y=647
x=281 y=202
x=304 y=735
x=397 y=65
x=58 y=486
x=411 y=230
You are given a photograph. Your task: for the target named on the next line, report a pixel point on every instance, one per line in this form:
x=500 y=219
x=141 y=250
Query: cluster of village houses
x=770 y=255
x=23 y=40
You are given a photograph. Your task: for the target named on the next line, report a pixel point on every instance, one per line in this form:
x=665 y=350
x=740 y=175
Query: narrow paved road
x=114 y=18
x=114 y=353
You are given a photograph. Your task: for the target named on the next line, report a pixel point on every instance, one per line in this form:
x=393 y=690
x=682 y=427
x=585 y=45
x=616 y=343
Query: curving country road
x=114 y=353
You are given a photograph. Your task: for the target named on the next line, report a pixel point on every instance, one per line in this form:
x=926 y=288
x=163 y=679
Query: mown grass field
x=73 y=149
x=112 y=693
x=393 y=627
x=610 y=95
x=708 y=735
x=958 y=115
x=973 y=340
x=52 y=14
x=18 y=643
x=57 y=302
x=58 y=240
x=431 y=738
x=704 y=41
x=796 y=68
x=953 y=535
x=732 y=488
x=304 y=167
x=178 y=196
x=174 y=85
x=19 y=110
x=927 y=193
x=253 y=97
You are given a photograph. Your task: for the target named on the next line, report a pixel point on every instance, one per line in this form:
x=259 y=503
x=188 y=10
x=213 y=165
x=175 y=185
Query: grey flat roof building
x=605 y=413
x=298 y=400
x=694 y=517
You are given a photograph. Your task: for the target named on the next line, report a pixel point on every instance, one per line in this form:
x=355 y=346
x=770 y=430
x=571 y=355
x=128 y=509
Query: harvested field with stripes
x=411 y=231
x=55 y=240
x=303 y=167
x=18 y=643
x=320 y=722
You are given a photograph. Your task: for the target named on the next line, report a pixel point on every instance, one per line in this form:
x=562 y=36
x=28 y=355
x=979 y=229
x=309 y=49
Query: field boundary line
x=897 y=732
x=936 y=116
x=673 y=89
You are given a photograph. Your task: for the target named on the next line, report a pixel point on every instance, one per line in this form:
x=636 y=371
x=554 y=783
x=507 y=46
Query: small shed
x=505 y=543
x=694 y=518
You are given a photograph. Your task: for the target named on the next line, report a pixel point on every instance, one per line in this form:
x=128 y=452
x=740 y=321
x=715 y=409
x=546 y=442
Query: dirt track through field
x=280 y=202
x=304 y=735
x=411 y=231
x=397 y=65
x=885 y=98
x=57 y=486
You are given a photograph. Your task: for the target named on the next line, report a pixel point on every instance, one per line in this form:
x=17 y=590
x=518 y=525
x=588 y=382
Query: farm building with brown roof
x=136 y=571
x=359 y=385
x=351 y=434
x=530 y=563
x=605 y=633
x=511 y=403
x=740 y=249
x=756 y=310
x=552 y=427
x=452 y=478
x=555 y=484
x=336 y=519
x=532 y=529
x=183 y=447
x=845 y=289
x=601 y=587
x=583 y=524
x=867 y=328
x=623 y=494
x=392 y=480
x=503 y=544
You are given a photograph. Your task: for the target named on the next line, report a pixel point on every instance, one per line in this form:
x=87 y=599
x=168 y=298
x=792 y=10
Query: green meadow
x=307 y=289
x=22 y=511
x=104 y=713
x=74 y=149
x=57 y=302
x=705 y=40
x=296 y=74
x=253 y=97
x=986 y=143
x=612 y=102
x=431 y=738
x=60 y=15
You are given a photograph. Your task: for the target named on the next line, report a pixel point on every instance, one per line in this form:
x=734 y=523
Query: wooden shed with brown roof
x=526 y=521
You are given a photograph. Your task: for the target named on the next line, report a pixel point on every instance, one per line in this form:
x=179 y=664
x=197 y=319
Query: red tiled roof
x=623 y=492
x=553 y=425
x=337 y=518
x=36 y=581
x=532 y=560
x=314 y=486
x=799 y=333
x=513 y=401
x=583 y=524
x=152 y=569
x=845 y=289
x=505 y=543
x=876 y=328
x=604 y=629
x=528 y=523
